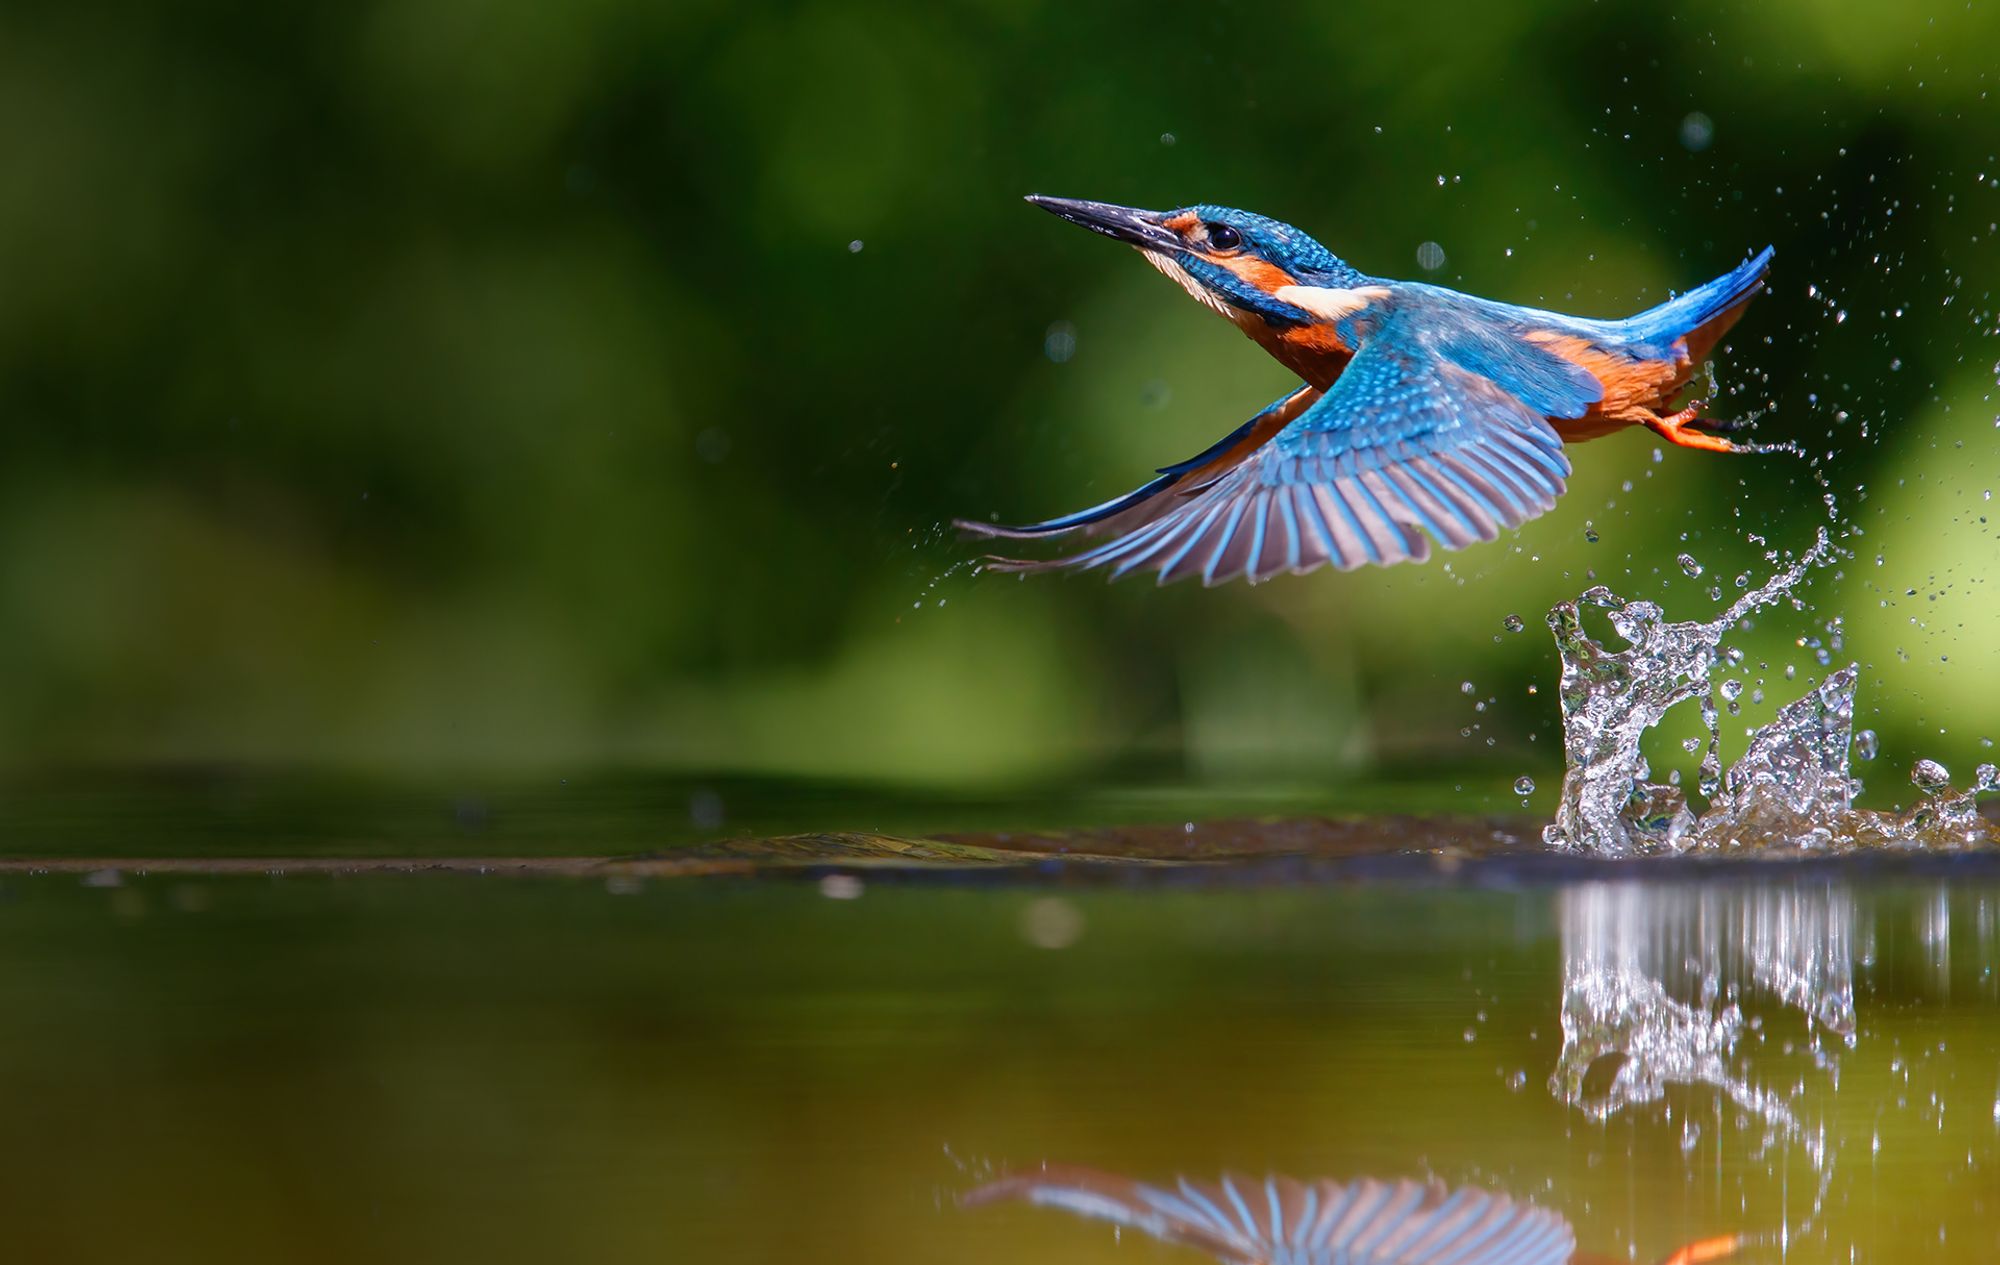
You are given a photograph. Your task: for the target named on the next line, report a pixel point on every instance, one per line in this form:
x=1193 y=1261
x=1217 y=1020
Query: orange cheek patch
x=1266 y=276
x=1183 y=222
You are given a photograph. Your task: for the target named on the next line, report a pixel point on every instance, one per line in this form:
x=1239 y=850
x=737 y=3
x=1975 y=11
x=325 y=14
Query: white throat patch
x=1194 y=288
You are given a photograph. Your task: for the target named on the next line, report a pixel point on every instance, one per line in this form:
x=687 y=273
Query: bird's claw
x=1689 y=429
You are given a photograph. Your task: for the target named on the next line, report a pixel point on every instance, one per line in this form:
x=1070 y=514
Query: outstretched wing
x=1144 y=504
x=1426 y=429
x=1279 y=1221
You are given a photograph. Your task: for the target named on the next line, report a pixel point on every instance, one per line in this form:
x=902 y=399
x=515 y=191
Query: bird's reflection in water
x=1279 y=1221
x=1719 y=1023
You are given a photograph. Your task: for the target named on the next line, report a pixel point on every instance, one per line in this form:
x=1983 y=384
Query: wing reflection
x=1280 y=1221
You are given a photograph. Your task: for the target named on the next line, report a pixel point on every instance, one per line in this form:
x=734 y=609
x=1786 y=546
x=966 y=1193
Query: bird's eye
x=1223 y=237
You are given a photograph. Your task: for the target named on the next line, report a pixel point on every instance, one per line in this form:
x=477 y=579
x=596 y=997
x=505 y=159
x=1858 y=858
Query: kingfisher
x=1422 y=413
x=1280 y=1221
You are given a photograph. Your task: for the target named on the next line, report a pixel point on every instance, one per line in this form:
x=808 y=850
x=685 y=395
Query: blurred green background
x=474 y=384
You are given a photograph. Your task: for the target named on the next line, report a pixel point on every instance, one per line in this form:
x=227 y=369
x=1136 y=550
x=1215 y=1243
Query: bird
x=1422 y=413
x=1281 y=1221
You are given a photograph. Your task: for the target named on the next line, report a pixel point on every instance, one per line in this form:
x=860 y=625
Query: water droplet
x=711 y=445
x=1059 y=343
x=1590 y=533
x=1168 y=139
x=1987 y=777
x=1524 y=785
x=854 y=247
x=1689 y=565
x=1513 y=623
x=1929 y=776
x=1466 y=687
x=1732 y=690
x=1051 y=923
x=1697 y=131
x=1866 y=746
x=1430 y=256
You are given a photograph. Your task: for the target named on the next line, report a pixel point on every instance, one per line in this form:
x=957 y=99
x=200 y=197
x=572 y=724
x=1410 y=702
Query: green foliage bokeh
x=462 y=383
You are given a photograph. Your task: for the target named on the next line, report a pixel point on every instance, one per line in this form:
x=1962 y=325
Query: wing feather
x=1145 y=503
x=1279 y=1221
x=1410 y=445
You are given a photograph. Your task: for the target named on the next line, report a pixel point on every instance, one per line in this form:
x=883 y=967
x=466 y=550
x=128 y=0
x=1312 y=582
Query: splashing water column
x=1793 y=786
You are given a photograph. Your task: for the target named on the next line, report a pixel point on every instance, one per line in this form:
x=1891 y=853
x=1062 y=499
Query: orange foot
x=1706 y=1250
x=1678 y=428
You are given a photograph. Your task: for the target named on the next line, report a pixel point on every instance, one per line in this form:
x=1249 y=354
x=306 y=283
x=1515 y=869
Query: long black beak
x=1122 y=223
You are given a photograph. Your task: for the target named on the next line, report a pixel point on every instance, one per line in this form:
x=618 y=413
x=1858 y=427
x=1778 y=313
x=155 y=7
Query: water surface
x=463 y=1067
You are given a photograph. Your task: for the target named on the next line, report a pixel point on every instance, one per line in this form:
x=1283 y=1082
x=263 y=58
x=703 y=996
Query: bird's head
x=1241 y=264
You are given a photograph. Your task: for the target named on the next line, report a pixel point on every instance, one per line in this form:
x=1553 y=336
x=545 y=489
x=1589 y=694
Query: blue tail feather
x=1679 y=316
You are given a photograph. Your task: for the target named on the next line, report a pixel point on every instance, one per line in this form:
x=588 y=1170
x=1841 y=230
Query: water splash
x=1793 y=786
x=1610 y=698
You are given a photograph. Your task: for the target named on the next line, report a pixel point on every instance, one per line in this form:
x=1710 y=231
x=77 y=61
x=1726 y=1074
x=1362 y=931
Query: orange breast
x=1314 y=352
